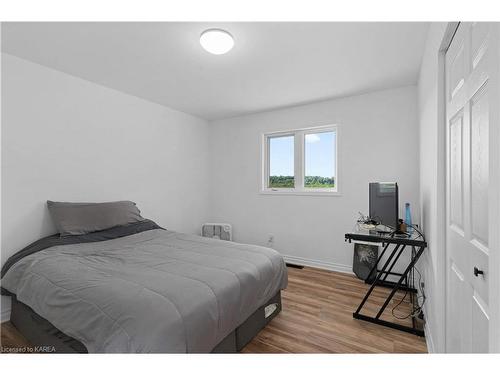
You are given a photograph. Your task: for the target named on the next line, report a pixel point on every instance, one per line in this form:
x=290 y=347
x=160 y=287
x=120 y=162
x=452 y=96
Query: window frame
x=299 y=161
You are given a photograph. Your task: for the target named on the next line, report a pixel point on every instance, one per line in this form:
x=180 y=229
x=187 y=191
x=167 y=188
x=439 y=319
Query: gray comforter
x=154 y=291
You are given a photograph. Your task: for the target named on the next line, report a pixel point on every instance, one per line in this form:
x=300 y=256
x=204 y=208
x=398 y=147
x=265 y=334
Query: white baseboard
x=5 y=315
x=318 y=264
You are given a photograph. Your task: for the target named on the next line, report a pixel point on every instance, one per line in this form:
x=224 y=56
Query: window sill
x=306 y=193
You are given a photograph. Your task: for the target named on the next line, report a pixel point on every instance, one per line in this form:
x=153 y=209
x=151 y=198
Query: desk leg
x=397 y=286
x=379 y=275
x=394 y=262
x=414 y=296
x=375 y=266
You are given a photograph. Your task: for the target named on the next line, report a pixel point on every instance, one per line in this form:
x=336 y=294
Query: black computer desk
x=396 y=245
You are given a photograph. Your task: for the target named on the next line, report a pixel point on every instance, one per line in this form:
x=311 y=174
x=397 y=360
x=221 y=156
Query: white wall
x=431 y=196
x=378 y=142
x=64 y=138
x=67 y=139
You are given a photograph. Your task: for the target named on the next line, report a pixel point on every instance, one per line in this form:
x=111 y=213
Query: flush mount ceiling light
x=216 y=41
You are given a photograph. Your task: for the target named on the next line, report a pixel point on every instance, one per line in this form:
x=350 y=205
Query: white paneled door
x=472 y=221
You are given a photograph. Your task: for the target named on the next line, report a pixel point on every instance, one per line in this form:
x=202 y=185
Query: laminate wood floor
x=316 y=318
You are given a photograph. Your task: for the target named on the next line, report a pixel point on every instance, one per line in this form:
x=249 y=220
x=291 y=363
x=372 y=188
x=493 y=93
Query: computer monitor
x=384 y=205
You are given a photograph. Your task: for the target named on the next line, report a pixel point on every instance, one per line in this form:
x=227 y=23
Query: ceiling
x=272 y=65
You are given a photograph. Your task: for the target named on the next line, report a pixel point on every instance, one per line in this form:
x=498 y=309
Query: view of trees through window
x=309 y=181
x=281 y=162
x=319 y=159
x=281 y=181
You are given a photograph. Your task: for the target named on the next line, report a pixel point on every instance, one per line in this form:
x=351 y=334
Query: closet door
x=469 y=191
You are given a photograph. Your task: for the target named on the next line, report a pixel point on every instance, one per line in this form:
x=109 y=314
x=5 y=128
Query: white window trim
x=299 y=162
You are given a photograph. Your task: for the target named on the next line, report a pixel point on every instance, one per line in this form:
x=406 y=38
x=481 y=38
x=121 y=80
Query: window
x=320 y=160
x=301 y=161
x=281 y=162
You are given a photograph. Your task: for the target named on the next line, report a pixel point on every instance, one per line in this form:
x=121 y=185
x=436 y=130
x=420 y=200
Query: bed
x=138 y=288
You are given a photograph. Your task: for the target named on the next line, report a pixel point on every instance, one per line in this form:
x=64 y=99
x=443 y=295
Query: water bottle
x=409 y=228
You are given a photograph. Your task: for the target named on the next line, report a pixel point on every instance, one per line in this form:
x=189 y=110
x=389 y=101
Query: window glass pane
x=320 y=163
x=281 y=162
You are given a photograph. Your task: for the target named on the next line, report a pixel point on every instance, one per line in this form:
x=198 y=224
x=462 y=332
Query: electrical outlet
x=422 y=285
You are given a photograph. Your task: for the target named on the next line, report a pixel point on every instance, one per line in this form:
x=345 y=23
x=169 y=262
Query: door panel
x=457 y=72
x=479 y=34
x=456 y=174
x=480 y=324
x=479 y=166
x=458 y=340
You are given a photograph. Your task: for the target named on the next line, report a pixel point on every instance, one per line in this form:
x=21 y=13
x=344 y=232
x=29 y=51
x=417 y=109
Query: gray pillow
x=80 y=218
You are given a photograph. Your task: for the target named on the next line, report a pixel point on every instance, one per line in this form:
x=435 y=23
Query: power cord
x=418 y=309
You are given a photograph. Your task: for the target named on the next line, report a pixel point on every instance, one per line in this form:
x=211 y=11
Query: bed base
x=41 y=333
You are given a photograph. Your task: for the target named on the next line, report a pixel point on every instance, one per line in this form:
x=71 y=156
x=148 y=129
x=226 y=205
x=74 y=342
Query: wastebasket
x=365 y=257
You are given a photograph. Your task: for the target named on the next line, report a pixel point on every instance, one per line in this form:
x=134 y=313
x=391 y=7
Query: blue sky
x=319 y=151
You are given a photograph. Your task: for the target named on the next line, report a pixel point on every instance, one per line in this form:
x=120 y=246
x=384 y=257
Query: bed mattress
x=151 y=291
x=43 y=335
